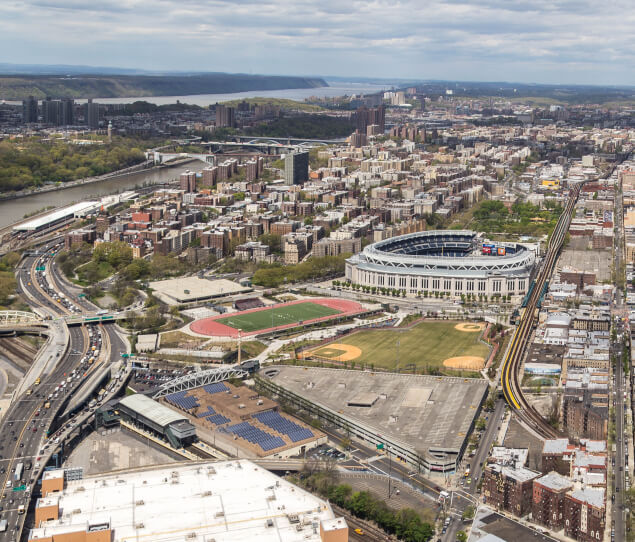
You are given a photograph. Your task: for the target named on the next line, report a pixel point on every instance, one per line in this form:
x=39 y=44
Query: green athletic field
x=424 y=346
x=279 y=316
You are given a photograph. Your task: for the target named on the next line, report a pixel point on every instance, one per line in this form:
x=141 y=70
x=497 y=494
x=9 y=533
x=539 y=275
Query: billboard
x=487 y=250
x=501 y=251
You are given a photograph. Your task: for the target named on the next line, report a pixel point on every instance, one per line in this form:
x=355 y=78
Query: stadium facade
x=460 y=262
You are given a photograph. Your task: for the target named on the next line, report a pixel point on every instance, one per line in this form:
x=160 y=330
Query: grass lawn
x=279 y=316
x=426 y=345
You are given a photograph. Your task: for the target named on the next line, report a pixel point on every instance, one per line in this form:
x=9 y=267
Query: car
x=21 y=444
x=359 y=531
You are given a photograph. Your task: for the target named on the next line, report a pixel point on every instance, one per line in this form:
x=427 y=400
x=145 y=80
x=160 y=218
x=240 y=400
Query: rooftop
x=520 y=474
x=151 y=409
x=592 y=496
x=223 y=501
x=186 y=289
x=555 y=481
x=422 y=412
x=556 y=446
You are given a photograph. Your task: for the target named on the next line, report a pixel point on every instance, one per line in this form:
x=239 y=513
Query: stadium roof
x=152 y=410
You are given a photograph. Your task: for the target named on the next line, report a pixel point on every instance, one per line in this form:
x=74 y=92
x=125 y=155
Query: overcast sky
x=545 y=41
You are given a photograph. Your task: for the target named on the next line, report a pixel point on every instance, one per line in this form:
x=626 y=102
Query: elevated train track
x=510 y=377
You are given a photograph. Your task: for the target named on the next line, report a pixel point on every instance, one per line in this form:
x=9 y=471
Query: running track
x=211 y=327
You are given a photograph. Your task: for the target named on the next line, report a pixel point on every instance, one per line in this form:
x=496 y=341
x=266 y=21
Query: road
x=27 y=420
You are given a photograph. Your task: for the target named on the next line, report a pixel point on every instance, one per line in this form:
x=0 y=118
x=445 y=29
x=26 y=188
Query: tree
x=469 y=512
x=461 y=536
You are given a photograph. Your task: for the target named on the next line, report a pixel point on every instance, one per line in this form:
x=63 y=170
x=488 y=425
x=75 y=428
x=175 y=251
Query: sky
x=539 y=41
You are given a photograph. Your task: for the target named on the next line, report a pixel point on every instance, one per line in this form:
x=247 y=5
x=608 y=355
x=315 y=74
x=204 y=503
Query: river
x=12 y=211
x=334 y=89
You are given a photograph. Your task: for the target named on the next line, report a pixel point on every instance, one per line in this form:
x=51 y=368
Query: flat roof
x=424 y=412
x=41 y=221
x=555 y=481
x=592 y=496
x=151 y=409
x=186 y=289
x=224 y=501
x=520 y=474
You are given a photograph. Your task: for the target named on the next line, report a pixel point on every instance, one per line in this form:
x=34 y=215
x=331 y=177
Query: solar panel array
x=215 y=388
x=256 y=436
x=217 y=419
x=182 y=400
x=283 y=426
x=205 y=413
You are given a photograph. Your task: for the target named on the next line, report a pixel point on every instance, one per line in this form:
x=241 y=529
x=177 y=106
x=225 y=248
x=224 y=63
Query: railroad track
x=370 y=530
x=510 y=378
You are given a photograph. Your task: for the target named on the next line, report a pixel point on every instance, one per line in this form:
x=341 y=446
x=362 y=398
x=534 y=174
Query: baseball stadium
x=276 y=317
x=458 y=262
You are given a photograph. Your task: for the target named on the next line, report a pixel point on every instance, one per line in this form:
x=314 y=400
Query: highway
x=27 y=420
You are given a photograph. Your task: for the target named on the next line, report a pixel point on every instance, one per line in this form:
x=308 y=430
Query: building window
x=413 y=282
x=447 y=285
x=470 y=286
x=497 y=286
x=426 y=284
x=510 y=285
x=481 y=285
x=402 y=282
x=435 y=284
x=521 y=285
x=458 y=285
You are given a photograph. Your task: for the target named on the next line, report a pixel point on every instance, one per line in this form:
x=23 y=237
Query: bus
x=18 y=471
x=102 y=312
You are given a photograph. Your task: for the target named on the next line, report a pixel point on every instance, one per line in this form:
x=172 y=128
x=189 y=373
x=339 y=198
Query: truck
x=3 y=525
x=19 y=468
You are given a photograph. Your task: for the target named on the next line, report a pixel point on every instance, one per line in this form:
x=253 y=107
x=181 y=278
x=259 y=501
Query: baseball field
x=428 y=345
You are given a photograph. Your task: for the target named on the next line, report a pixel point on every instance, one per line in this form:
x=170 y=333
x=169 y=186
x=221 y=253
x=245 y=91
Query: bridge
x=198 y=379
x=11 y=318
x=92 y=318
x=162 y=157
x=289 y=140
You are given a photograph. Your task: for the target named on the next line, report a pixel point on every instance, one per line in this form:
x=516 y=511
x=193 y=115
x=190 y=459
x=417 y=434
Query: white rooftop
x=555 y=481
x=592 y=496
x=54 y=216
x=151 y=409
x=223 y=501
x=187 y=289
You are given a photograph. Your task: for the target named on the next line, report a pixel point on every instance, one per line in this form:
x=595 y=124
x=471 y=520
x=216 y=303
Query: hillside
x=18 y=87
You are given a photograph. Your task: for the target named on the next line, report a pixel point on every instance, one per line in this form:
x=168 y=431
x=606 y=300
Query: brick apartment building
x=507 y=488
x=585 y=515
x=547 y=507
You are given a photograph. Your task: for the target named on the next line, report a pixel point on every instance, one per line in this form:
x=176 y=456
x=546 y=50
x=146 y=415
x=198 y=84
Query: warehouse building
x=221 y=501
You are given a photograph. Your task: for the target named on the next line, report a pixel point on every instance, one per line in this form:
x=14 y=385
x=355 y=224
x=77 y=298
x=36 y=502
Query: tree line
x=32 y=162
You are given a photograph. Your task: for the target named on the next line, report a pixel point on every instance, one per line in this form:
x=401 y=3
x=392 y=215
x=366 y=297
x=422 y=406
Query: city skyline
x=553 y=43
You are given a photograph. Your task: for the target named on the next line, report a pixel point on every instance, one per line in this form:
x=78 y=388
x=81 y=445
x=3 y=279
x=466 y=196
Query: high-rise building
x=225 y=116
x=91 y=114
x=67 y=111
x=58 y=112
x=188 y=181
x=296 y=168
x=29 y=110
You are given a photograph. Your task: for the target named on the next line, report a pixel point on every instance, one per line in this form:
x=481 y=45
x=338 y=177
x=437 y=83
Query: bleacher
x=256 y=436
x=182 y=400
x=284 y=426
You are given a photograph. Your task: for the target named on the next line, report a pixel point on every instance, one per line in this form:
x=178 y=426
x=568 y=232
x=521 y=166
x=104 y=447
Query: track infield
x=428 y=345
x=275 y=317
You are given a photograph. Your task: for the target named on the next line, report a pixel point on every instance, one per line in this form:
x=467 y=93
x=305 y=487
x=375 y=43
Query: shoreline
x=143 y=166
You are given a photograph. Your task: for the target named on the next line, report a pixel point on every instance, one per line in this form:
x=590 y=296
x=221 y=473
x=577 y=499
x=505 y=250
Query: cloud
x=566 y=41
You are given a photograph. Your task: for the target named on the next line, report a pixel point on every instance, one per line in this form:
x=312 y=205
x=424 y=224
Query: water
x=298 y=94
x=12 y=211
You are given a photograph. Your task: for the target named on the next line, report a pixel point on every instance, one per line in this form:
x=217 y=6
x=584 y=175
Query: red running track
x=213 y=328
